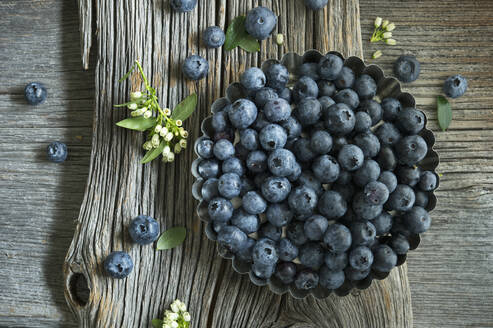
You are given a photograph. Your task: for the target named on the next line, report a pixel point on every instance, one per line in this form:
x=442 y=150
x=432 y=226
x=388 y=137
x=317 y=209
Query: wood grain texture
x=119 y=188
x=450 y=273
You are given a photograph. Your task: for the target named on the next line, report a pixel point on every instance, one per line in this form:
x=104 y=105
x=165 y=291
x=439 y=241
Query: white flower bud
x=390 y=27
x=378 y=21
x=140 y=111
x=174 y=324
x=385 y=23
x=148 y=114
x=169 y=136
x=376 y=54
x=155 y=140
x=280 y=39
x=158 y=128
x=167 y=112
x=387 y=35
x=183 y=144
x=135 y=113
x=147 y=145
x=183 y=307
x=174 y=307
x=172 y=316
x=171 y=158
x=186 y=317
x=179 y=122
x=132 y=106
x=183 y=133
x=391 y=42
x=136 y=95
x=166 y=150
x=177 y=150
x=166 y=326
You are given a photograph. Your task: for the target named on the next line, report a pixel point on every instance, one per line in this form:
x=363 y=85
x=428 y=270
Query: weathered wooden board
x=119 y=188
x=450 y=273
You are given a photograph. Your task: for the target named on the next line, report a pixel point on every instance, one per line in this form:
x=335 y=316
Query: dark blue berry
x=208 y=168
x=363 y=233
x=410 y=120
x=386 y=158
x=209 y=189
x=315 y=227
x=321 y=142
x=277 y=110
x=350 y=157
x=213 y=37
x=260 y=122
x=195 y=67
x=257 y=161
x=311 y=255
x=183 y=5
x=273 y=136
x=332 y=205
x=368 y=172
x=361 y=258
x=303 y=151
x=220 y=121
x=245 y=252
x=242 y=114
x=316 y=4
x=340 y=119
x=292 y=126
x=391 y=107
x=302 y=200
x=281 y=162
x=330 y=67
x=417 y=220
x=368 y=143
x=232 y=238
x=389 y=180
x=265 y=95
x=372 y=108
x=35 y=93
x=428 y=181
x=331 y=279
x=265 y=252
x=365 y=86
x=285 y=272
x=118 y=264
x=336 y=261
x=376 y=193
x=411 y=149
x=276 y=189
x=325 y=104
x=422 y=199
x=253 y=203
x=279 y=214
x=348 y=97
x=223 y=149
x=270 y=231
x=220 y=209
x=356 y=275
x=203 y=147
x=399 y=244
x=307 y=178
x=345 y=79
x=408 y=175
x=308 y=111
x=144 y=229
x=249 y=139
x=407 y=68
x=246 y=222
x=455 y=86
x=287 y=250
x=296 y=233
x=402 y=199
x=382 y=223
x=388 y=134
x=277 y=76
x=337 y=238
x=306 y=279
x=363 y=122
x=57 y=152
x=326 y=169
x=309 y=69
x=260 y=22
x=384 y=258
x=305 y=87
x=229 y=185
x=326 y=88
x=285 y=94
x=233 y=165
x=253 y=79
x=263 y=271
x=363 y=209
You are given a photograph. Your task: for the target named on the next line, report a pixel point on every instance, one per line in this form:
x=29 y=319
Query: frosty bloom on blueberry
x=311 y=180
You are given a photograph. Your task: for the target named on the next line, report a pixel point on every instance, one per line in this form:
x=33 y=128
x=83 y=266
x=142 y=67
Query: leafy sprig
x=383 y=31
x=236 y=35
x=166 y=136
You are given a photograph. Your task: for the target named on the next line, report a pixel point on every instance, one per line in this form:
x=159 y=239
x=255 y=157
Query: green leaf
x=444 y=113
x=171 y=238
x=153 y=153
x=127 y=75
x=236 y=35
x=137 y=123
x=157 y=323
x=184 y=109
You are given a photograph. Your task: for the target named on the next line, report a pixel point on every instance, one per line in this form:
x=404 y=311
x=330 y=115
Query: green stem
x=153 y=96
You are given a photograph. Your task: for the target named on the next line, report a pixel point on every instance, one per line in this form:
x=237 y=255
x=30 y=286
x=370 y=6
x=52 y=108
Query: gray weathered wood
x=119 y=188
x=450 y=273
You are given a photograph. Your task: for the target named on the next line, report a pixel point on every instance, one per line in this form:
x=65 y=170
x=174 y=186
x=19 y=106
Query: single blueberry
x=351 y=158
x=220 y=121
x=336 y=261
x=203 y=147
x=311 y=255
x=368 y=172
x=208 y=168
x=365 y=86
x=402 y=199
x=229 y=185
x=316 y=4
x=232 y=238
x=296 y=233
x=233 y=165
x=363 y=122
x=348 y=97
x=263 y=271
x=356 y=275
x=361 y=258
x=276 y=189
x=302 y=200
x=220 y=209
x=285 y=272
x=332 y=205
x=195 y=67
x=372 y=108
x=388 y=134
x=260 y=22
x=35 y=93
x=279 y=214
x=209 y=189
x=292 y=126
x=57 y=152
x=330 y=67
x=321 y=142
x=287 y=250
x=253 y=79
x=345 y=79
x=326 y=88
x=337 y=238
x=249 y=139
x=243 y=113
x=410 y=120
x=340 y=119
x=368 y=143
x=331 y=279
x=399 y=244
x=411 y=149
x=376 y=193
x=384 y=258
x=455 y=86
x=382 y=223
x=143 y=229
x=281 y=162
x=386 y=158
x=389 y=179
x=408 y=175
x=223 y=149
x=417 y=220
x=325 y=168
x=315 y=227
x=363 y=209
x=285 y=94
x=118 y=264
x=183 y=5
x=407 y=68
x=428 y=181
x=257 y=161
x=277 y=110
x=422 y=199
x=253 y=203
x=270 y=231
x=265 y=95
x=273 y=136
x=303 y=88
x=309 y=69
x=213 y=37
x=303 y=151
x=391 y=107
x=265 y=252
x=306 y=279
x=277 y=76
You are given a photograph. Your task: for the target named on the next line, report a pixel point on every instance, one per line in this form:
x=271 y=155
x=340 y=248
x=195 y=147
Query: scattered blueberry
x=183 y=5
x=276 y=189
x=260 y=22
x=213 y=37
x=316 y=4
x=143 y=229
x=277 y=110
x=410 y=120
x=223 y=149
x=35 y=93
x=455 y=86
x=407 y=68
x=57 y=152
x=118 y=264
x=195 y=67
x=273 y=136
x=203 y=147
x=281 y=162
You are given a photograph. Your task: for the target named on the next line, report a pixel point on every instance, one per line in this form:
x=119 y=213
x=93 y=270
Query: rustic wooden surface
x=451 y=272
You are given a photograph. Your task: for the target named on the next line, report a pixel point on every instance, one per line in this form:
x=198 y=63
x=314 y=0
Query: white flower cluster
x=178 y=317
x=138 y=105
x=383 y=31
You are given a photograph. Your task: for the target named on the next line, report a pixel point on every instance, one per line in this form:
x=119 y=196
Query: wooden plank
x=119 y=188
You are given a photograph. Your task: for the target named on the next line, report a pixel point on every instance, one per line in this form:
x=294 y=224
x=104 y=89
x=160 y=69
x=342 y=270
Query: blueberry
x=417 y=220
x=302 y=200
x=183 y=5
x=281 y=162
x=409 y=175
x=195 y=67
x=242 y=114
x=260 y=22
x=326 y=88
x=285 y=94
x=363 y=122
x=270 y=231
x=257 y=161
x=245 y=252
x=326 y=169
x=253 y=79
x=321 y=142
x=232 y=238
x=248 y=223
x=368 y=172
x=455 y=86
x=303 y=151
x=143 y=229
x=325 y=103
x=35 y=93
x=340 y=119
x=311 y=255
x=229 y=185
x=361 y=258
x=315 y=227
x=305 y=87
x=422 y=199
x=203 y=147
x=118 y=264
x=223 y=149
x=332 y=205
x=309 y=69
x=350 y=157
x=411 y=149
x=220 y=121
x=260 y=121
x=227 y=134
x=233 y=165
x=356 y=275
x=428 y=181
x=406 y=68
x=316 y=4
x=276 y=189
x=388 y=134
x=57 y=152
x=338 y=143
x=376 y=193
x=279 y=214
x=337 y=238
x=265 y=95
x=386 y=158
x=292 y=127
x=277 y=76
x=307 y=178
x=265 y=252
x=410 y=120
x=345 y=79
x=213 y=37
x=336 y=261
x=384 y=258
x=287 y=250
x=208 y=168
x=368 y=143
x=402 y=199
x=372 y=108
x=363 y=209
x=306 y=279
x=399 y=244
x=348 y=97
x=331 y=279
x=389 y=180
x=249 y=139
x=209 y=189
x=253 y=203
x=382 y=223
x=365 y=86
x=273 y=136
x=217 y=226
x=308 y=111
x=286 y=272
x=391 y=107
x=220 y=209
x=296 y=233
x=277 y=110
x=263 y=271
x=330 y=67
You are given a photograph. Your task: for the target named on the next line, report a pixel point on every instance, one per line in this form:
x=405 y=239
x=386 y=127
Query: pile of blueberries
x=314 y=184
